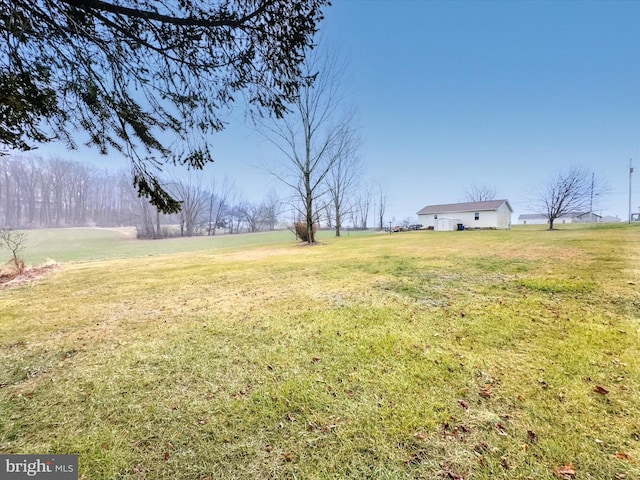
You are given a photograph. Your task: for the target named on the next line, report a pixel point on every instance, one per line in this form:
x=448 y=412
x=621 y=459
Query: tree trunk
x=309 y=207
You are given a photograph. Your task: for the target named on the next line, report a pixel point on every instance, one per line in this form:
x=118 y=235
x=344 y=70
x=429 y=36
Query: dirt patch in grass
x=12 y=278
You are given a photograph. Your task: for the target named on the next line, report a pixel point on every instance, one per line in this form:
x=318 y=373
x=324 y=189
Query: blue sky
x=498 y=93
x=502 y=93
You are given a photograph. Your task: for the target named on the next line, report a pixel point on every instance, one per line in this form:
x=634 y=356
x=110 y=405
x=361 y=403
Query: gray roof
x=531 y=216
x=583 y=214
x=465 y=207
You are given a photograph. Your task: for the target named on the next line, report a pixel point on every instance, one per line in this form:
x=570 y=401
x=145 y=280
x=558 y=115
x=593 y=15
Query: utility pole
x=630 y=172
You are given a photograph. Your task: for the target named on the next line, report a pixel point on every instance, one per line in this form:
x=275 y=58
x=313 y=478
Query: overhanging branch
x=150 y=15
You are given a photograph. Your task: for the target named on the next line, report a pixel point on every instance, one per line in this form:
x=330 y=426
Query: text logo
x=43 y=467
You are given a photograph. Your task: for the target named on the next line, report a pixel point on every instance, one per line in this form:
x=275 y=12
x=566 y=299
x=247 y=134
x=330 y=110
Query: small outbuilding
x=493 y=214
x=448 y=224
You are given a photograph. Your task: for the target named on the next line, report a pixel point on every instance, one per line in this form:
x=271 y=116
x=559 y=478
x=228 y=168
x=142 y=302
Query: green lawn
x=89 y=244
x=475 y=355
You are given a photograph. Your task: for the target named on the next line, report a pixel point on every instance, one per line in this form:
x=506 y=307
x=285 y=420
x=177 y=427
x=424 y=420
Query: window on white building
x=477 y=216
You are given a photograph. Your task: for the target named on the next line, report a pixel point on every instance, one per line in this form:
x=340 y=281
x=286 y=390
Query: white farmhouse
x=490 y=214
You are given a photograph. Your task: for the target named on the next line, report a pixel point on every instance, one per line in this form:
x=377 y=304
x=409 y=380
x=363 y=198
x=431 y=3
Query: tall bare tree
x=343 y=176
x=272 y=207
x=312 y=137
x=363 y=204
x=381 y=204
x=566 y=193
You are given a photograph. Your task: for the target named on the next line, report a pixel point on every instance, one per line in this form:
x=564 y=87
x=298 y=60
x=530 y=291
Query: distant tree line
x=38 y=192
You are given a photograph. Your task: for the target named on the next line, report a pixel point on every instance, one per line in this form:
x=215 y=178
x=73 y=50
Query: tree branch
x=150 y=15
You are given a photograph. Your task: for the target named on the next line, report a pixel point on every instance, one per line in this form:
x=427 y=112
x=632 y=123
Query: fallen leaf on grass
x=166 y=456
x=485 y=392
x=532 y=436
x=623 y=456
x=502 y=430
x=447 y=473
x=416 y=458
x=566 y=472
x=328 y=428
x=601 y=390
x=463 y=404
x=288 y=457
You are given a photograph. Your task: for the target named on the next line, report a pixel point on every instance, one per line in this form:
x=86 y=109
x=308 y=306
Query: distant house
x=587 y=217
x=532 y=219
x=574 y=217
x=490 y=214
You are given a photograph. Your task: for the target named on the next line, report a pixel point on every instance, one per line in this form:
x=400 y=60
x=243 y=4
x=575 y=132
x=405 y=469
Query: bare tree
x=252 y=215
x=382 y=205
x=342 y=176
x=219 y=204
x=15 y=242
x=566 y=193
x=312 y=136
x=326 y=210
x=237 y=216
x=479 y=193
x=145 y=218
x=272 y=206
x=363 y=204
x=194 y=201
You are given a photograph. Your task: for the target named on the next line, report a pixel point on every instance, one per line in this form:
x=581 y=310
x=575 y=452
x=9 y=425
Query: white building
x=533 y=219
x=495 y=214
x=574 y=217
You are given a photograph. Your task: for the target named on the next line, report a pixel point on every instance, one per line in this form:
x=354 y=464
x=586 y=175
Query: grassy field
x=89 y=244
x=453 y=355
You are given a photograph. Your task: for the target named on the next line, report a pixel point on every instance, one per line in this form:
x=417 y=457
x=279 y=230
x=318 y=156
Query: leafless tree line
x=36 y=192
x=54 y=192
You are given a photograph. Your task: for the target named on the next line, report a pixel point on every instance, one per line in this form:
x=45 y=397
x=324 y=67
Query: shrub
x=302 y=232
